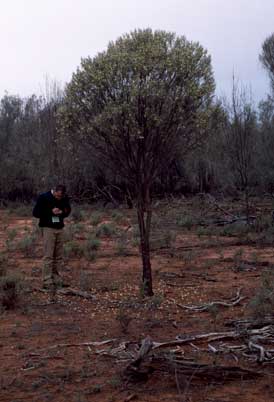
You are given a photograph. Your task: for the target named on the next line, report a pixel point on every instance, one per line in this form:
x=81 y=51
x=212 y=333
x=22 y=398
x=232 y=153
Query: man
x=51 y=208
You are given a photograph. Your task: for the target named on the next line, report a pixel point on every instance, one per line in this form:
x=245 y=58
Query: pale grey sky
x=49 y=37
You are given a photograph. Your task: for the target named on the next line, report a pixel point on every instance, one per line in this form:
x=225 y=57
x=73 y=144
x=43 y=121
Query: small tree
x=240 y=134
x=136 y=104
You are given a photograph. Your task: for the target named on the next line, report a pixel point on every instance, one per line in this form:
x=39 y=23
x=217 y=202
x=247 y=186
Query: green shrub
x=238 y=262
x=10 y=287
x=185 y=222
x=71 y=230
x=3 y=264
x=23 y=211
x=106 y=230
x=77 y=214
x=124 y=319
x=73 y=249
x=78 y=228
x=91 y=247
x=155 y=301
x=266 y=238
x=227 y=231
x=95 y=218
x=11 y=235
x=27 y=245
x=262 y=304
x=169 y=238
x=201 y=231
x=117 y=216
x=262 y=224
x=93 y=243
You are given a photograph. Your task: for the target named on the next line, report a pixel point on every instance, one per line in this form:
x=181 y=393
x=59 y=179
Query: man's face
x=58 y=195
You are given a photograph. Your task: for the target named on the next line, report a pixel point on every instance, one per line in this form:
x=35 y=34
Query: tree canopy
x=146 y=85
x=267 y=57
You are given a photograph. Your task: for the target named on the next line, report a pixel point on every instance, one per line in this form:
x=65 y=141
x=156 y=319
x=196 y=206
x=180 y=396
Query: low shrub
x=155 y=301
x=185 y=222
x=11 y=235
x=73 y=249
x=262 y=304
x=21 y=210
x=117 y=216
x=124 y=319
x=91 y=247
x=78 y=228
x=27 y=245
x=93 y=243
x=3 y=264
x=238 y=261
x=77 y=214
x=95 y=218
x=10 y=287
x=262 y=224
x=106 y=230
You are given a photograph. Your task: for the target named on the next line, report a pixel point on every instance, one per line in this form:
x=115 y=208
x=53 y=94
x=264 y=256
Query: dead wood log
x=76 y=292
x=206 y=307
x=231 y=221
x=69 y=345
x=134 y=369
x=214 y=372
x=149 y=360
x=265 y=332
x=67 y=292
x=185 y=276
x=262 y=355
x=250 y=323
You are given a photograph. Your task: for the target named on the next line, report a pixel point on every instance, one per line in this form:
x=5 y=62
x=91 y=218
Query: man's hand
x=57 y=211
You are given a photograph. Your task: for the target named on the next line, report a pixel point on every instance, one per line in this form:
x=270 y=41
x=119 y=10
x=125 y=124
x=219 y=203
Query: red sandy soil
x=35 y=365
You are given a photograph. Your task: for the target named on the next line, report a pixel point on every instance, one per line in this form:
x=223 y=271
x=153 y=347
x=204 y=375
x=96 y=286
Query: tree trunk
x=144 y=220
x=247 y=206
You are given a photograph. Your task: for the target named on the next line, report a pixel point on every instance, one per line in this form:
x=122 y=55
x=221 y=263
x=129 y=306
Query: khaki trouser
x=53 y=253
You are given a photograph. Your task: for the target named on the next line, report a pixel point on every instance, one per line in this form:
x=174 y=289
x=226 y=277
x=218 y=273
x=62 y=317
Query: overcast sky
x=49 y=37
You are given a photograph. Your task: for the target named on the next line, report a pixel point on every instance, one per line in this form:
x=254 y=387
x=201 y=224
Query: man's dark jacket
x=46 y=202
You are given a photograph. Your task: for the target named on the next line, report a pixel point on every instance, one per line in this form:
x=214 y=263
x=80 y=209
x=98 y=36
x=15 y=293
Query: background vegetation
x=235 y=155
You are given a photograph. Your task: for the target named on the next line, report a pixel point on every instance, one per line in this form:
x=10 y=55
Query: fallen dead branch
x=208 y=306
x=134 y=370
x=250 y=323
x=213 y=372
x=67 y=292
x=76 y=292
x=149 y=360
x=223 y=222
x=69 y=345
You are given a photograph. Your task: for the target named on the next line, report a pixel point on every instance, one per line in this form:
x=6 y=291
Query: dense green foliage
x=144 y=100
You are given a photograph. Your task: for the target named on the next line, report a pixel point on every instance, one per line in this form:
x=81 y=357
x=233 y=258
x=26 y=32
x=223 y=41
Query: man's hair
x=61 y=188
